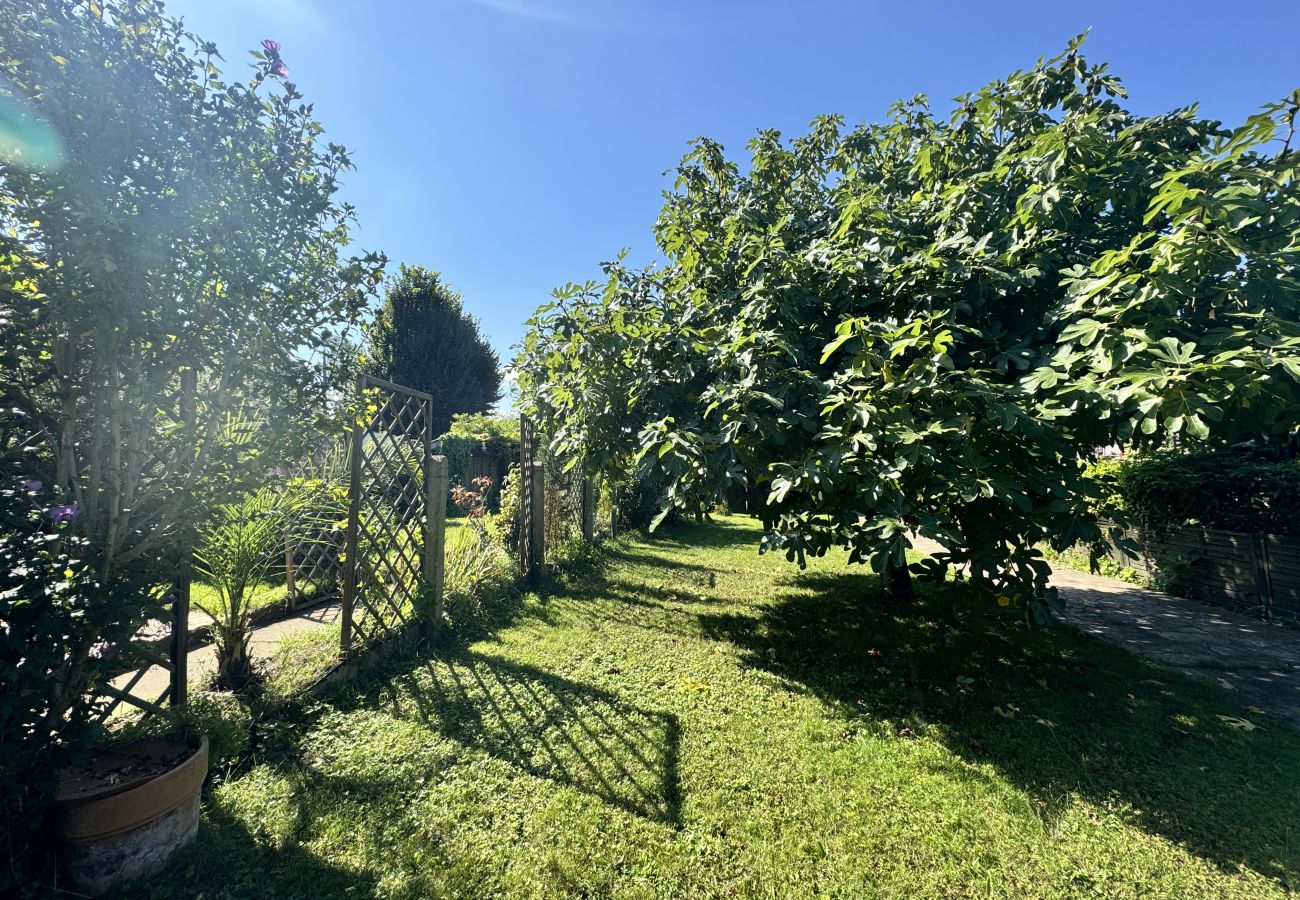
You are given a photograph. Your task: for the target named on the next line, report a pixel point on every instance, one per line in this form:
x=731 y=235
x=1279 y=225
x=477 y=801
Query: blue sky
x=514 y=144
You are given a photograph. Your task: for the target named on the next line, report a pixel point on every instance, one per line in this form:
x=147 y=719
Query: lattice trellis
x=564 y=507
x=147 y=672
x=314 y=545
x=527 y=456
x=557 y=504
x=389 y=458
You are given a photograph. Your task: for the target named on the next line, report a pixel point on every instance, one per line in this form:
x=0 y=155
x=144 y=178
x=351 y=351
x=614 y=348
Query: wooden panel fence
x=1257 y=572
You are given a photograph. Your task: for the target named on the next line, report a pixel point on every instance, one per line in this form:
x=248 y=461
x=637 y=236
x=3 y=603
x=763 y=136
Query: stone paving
x=203 y=660
x=1257 y=660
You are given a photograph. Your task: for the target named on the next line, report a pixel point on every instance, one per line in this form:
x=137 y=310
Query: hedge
x=1231 y=490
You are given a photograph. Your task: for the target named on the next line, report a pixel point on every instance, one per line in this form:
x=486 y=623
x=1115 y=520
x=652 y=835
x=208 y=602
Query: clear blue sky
x=514 y=144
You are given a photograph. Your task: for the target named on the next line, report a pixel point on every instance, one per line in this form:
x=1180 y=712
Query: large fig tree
x=923 y=326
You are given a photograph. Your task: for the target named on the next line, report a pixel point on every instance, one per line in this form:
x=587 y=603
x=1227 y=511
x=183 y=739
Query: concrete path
x=203 y=660
x=1257 y=660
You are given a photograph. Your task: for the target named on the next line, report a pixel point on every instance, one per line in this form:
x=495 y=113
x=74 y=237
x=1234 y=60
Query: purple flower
x=32 y=485
x=279 y=69
x=101 y=650
x=61 y=515
x=272 y=47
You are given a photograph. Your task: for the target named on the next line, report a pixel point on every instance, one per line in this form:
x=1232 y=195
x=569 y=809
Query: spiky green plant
x=237 y=549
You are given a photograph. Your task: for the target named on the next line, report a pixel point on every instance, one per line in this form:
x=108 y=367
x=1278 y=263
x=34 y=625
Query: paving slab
x=202 y=662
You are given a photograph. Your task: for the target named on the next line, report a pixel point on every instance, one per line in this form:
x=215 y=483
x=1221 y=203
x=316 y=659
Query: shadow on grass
x=543 y=724
x=1056 y=712
x=227 y=861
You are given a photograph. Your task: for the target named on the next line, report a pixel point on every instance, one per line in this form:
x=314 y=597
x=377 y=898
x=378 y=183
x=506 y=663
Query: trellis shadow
x=551 y=727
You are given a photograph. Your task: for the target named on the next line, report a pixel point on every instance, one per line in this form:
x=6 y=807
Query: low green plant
x=225 y=718
x=1078 y=558
x=298 y=661
x=473 y=562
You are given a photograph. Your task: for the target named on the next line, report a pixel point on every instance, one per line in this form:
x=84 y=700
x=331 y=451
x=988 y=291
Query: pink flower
x=275 y=63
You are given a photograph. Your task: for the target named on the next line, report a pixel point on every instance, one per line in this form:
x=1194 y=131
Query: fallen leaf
x=1238 y=723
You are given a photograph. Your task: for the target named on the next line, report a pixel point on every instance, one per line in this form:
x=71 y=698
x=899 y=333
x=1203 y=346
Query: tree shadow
x=715 y=535
x=1054 y=711
x=543 y=724
x=226 y=860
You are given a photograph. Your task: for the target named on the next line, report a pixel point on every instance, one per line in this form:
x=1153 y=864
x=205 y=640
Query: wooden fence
x=392 y=550
x=1257 y=572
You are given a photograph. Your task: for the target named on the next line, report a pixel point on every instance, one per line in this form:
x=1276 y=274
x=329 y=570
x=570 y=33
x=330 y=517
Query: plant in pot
x=128 y=805
x=185 y=261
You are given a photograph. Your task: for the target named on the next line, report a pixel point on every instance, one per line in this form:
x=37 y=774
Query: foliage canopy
x=423 y=338
x=174 y=282
x=924 y=325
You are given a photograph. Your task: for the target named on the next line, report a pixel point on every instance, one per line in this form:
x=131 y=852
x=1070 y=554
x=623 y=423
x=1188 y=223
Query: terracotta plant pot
x=124 y=813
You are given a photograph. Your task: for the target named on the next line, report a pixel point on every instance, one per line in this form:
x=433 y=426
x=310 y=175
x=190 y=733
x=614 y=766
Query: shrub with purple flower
x=275 y=63
x=62 y=515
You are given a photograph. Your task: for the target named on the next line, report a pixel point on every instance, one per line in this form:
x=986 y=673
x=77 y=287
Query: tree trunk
x=896 y=583
x=234 y=664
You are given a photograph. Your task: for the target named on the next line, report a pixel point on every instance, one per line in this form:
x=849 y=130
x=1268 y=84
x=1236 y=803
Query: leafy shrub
x=458 y=449
x=508 y=514
x=643 y=498
x=1228 y=489
x=913 y=326
x=486 y=428
x=185 y=265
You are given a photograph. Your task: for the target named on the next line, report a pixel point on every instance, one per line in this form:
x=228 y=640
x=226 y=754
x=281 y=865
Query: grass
x=1077 y=558
x=299 y=660
x=693 y=720
x=267 y=593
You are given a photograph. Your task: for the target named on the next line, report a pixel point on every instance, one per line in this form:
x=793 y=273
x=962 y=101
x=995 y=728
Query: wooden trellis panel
x=528 y=563
x=314 y=548
x=148 y=671
x=390 y=458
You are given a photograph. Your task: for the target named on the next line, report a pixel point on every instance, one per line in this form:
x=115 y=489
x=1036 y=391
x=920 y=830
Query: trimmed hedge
x=1230 y=490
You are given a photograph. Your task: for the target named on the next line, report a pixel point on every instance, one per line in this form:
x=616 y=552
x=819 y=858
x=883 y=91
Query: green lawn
x=693 y=720
x=264 y=594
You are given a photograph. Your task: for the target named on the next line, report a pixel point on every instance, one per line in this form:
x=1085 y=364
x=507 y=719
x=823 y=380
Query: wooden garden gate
x=396 y=513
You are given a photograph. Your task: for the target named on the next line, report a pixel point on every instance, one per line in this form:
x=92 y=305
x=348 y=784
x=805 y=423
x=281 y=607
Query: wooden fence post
x=181 y=635
x=289 y=586
x=537 y=522
x=435 y=538
x=180 y=648
x=588 y=510
x=613 y=511
x=355 y=449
